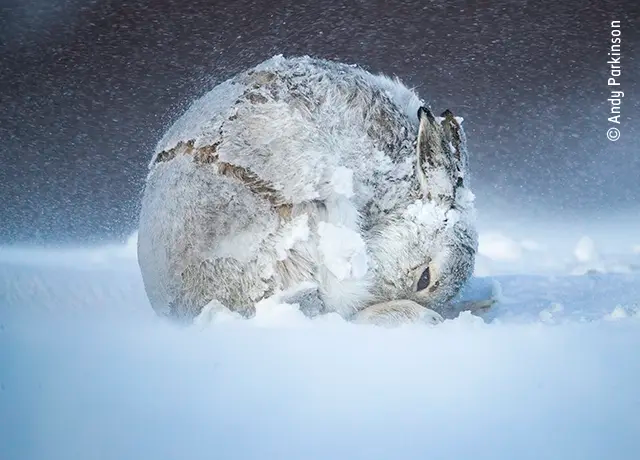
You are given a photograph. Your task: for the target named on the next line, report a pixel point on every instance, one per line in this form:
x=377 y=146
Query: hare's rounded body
x=312 y=178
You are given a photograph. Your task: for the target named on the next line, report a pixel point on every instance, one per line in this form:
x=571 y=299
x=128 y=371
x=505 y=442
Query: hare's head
x=425 y=251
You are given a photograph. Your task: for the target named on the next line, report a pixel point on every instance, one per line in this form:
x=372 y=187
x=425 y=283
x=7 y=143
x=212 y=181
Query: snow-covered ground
x=87 y=371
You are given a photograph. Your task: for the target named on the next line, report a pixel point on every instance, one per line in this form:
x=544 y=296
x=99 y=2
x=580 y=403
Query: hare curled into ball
x=316 y=181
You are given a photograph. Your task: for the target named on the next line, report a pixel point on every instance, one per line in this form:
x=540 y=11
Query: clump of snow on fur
x=465 y=199
x=296 y=230
x=342 y=181
x=267 y=269
x=425 y=212
x=343 y=251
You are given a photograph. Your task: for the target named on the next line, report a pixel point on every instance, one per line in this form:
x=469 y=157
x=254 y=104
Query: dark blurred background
x=87 y=88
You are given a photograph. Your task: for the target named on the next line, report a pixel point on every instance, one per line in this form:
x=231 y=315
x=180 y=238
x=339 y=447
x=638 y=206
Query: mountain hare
x=333 y=188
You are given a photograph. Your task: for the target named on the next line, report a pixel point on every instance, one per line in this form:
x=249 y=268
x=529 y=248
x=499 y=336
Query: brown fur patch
x=201 y=155
x=284 y=211
x=208 y=154
x=253 y=182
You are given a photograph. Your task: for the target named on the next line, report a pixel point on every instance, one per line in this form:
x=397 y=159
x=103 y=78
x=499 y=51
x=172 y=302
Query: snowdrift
x=88 y=371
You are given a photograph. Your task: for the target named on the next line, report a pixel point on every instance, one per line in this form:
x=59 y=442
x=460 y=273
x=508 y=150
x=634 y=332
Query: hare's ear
x=454 y=133
x=441 y=156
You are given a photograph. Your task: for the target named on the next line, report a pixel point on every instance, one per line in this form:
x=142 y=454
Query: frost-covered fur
x=312 y=174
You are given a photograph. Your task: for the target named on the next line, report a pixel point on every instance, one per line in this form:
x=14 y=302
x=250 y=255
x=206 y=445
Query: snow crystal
x=343 y=250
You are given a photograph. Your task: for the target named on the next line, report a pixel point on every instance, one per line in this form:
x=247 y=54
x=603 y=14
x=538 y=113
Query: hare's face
x=426 y=251
x=426 y=255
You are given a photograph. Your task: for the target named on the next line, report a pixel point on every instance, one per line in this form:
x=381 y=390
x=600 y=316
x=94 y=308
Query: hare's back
x=298 y=124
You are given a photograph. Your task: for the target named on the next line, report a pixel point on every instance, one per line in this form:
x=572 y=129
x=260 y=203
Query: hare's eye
x=425 y=279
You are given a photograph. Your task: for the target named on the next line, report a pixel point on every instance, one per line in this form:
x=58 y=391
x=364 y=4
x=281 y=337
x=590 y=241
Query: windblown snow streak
x=88 y=371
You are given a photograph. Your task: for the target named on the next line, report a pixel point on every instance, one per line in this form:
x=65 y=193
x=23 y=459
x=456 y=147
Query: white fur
x=313 y=146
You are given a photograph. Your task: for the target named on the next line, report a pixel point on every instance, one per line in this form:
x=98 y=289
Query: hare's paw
x=476 y=306
x=396 y=313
